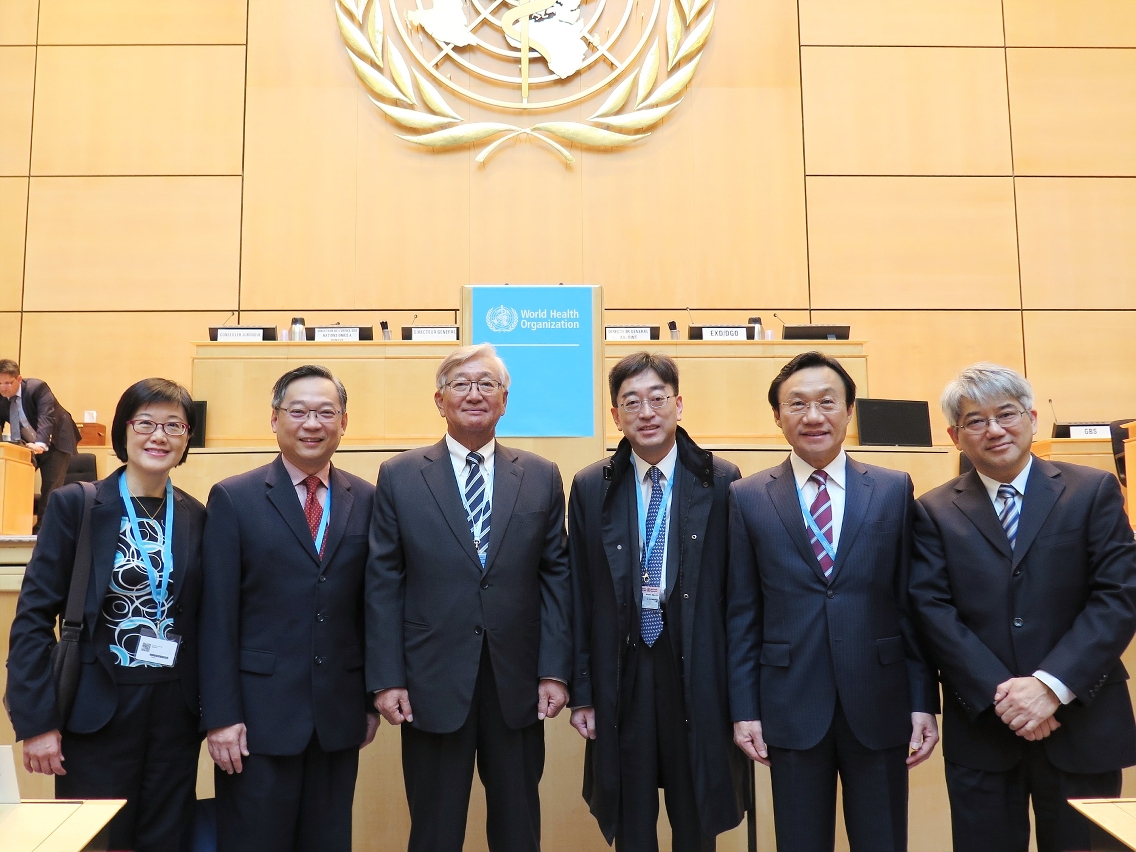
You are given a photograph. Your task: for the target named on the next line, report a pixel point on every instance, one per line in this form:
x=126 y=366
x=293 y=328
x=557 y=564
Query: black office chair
x=1119 y=434
x=80 y=468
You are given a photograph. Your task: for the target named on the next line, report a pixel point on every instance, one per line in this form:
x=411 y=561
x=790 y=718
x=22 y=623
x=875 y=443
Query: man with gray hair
x=468 y=613
x=1024 y=585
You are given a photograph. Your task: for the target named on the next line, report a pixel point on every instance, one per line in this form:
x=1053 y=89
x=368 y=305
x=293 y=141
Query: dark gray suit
x=813 y=660
x=470 y=644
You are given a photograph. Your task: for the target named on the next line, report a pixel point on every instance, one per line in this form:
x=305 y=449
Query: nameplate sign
x=627 y=333
x=720 y=332
x=1095 y=431
x=431 y=333
x=240 y=335
x=336 y=333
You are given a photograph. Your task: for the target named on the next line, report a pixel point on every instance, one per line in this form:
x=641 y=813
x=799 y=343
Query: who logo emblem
x=526 y=59
x=501 y=318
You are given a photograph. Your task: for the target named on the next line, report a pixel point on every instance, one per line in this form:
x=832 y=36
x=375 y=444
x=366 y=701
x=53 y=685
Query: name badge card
x=337 y=333
x=627 y=332
x=722 y=332
x=162 y=652
x=650 y=597
x=445 y=333
x=240 y=335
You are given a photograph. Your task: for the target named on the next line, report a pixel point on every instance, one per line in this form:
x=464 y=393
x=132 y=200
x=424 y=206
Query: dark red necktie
x=821 y=510
x=313 y=511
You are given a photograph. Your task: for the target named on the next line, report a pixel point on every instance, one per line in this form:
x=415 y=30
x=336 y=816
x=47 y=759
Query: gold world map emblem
x=522 y=58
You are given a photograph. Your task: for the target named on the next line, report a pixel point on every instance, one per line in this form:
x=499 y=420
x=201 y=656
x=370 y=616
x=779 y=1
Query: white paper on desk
x=9 y=789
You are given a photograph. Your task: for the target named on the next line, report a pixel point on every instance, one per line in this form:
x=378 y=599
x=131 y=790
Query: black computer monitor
x=893 y=422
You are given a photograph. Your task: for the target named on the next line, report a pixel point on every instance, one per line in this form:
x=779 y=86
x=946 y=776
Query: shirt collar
x=297 y=476
x=1019 y=481
x=459 y=452
x=666 y=466
x=835 y=469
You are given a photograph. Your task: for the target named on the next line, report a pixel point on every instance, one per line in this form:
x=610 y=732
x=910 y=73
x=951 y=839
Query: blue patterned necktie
x=1009 y=514
x=651 y=620
x=477 y=506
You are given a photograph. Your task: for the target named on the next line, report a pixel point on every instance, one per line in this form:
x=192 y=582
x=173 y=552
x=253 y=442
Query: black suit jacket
x=606 y=581
x=52 y=422
x=281 y=628
x=430 y=604
x=1063 y=601
x=796 y=642
x=43 y=597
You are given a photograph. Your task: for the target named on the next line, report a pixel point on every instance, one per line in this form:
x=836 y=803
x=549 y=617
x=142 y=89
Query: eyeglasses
x=174 y=428
x=978 y=425
x=634 y=406
x=460 y=387
x=824 y=406
x=325 y=415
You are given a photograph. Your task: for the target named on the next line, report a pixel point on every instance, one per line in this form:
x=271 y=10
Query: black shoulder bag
x=65 y=661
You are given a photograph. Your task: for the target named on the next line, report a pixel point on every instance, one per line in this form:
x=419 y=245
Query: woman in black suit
x=133 y=731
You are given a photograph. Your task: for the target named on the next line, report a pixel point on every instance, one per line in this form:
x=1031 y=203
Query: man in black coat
x=649 y=688
x=282 y=691
x=1024 y=583
x=44 y=426
x=468 y=603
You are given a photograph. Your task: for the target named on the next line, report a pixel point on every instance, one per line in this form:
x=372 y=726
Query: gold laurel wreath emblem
x=689 y=23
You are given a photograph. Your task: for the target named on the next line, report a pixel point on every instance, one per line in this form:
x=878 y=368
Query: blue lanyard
x=648 y=545
x=321 y=530
x=159 y=586
x=825 y=544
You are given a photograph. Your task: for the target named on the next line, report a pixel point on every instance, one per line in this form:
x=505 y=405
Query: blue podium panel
x=547 y=338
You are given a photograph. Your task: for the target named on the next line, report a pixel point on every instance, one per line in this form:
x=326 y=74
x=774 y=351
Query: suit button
x=477 y=630
x=831 y=594
x=619 y=547
x=323 y=578
x=583 y=671
x=1018 y=622
x=1017 y=571
x=319 y=661
x=694 y=537
x=485 y=585
x=321 y=617
x=180 y=609
x=686 y=597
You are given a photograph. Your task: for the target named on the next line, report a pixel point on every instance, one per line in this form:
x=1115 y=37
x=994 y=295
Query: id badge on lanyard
x=156 y=650
x=652 y=595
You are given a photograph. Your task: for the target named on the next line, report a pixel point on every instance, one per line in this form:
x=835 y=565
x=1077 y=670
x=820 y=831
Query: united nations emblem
x=525 y=56
x=501 y=318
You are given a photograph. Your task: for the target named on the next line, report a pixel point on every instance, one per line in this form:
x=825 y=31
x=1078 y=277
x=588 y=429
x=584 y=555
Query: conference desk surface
x=1116 y=816
x=54 y=825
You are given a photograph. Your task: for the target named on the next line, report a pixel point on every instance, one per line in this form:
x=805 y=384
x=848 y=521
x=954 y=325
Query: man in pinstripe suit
x=826 y=676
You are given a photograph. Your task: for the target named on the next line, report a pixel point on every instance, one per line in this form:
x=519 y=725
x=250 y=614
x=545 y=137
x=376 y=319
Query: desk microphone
x=779 y=320
x=690 y=315
x=229 y=317
x=1054 y=410
x=412 y=319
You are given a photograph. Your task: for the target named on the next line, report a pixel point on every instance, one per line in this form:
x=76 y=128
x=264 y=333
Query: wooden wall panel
x=130 y=243
x=1069 y=23
x=904 y=242
x=138 y=345
x=296 y=43
x=899 y=22
x=913 y=354
x=905 y=111
x=17 y=83
x=18 y=21
x=13 y=219
x=754 y=45
x=10 y=334
x=1077 y=241
x=1082 y=360
x=131 y=110
x=141 y=22
x=1073 y=112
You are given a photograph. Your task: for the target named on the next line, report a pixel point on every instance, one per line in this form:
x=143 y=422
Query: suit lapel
x=1043 y=488
x=439 y=475
x=106 y=520
x=857 y=496
x=973 y=500
x=783 y=492
x=619 y=534
x=282 y=495
x=181 y=542
x=507 y=476
x=341 y=502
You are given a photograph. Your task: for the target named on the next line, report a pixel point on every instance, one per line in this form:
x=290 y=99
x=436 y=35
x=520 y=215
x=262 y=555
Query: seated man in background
x=41 y=423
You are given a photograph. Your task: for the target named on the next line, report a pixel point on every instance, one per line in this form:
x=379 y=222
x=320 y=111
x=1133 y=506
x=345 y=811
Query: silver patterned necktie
x=19 y=422
x=477 y=506
x=1009 y=514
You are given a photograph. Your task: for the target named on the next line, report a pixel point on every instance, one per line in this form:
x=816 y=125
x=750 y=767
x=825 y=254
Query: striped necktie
x=651 y=620
x=477 y=506
x=1009 y=514
x=821 y=510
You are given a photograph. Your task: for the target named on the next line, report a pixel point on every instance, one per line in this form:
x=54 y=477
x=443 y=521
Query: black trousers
x=147 y=754
x=653 y=753
x=873 y=783
x=52 y=466
x=990 y=810
x=438 y=772
x=292 y=803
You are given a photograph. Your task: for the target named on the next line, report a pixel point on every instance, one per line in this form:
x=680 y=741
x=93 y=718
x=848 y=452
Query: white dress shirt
x=1063 y=693
x=458 y=459
x=643 y=477
x=837 y=490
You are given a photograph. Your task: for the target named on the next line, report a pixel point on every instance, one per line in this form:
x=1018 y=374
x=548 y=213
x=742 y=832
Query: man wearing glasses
x=281 y=626
x=468 y=611
x=648 y=544
x=826 y=674
x=1024 y=585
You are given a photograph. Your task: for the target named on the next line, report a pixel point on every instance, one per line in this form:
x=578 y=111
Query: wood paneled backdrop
x=954 y=178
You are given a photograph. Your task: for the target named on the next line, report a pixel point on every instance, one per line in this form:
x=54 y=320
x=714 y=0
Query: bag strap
x=81 y=572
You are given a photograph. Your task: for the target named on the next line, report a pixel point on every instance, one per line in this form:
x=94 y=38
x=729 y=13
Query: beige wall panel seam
x=119 y=22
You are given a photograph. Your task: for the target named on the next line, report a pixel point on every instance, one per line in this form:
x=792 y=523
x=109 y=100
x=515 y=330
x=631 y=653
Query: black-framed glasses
x=460 y=387
x=655 y=401
x=300 y=414
x=978 y=425
x=174 y=428
x=828 y=405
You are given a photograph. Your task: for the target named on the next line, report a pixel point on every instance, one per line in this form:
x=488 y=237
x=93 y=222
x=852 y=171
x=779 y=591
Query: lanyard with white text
x=159 y=586
x=648 y=545
x=825 y=544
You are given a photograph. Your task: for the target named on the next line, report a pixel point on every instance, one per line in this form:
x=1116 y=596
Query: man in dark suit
x=649 y=689
x=826 y=674
x=469 y=613
x=282 y=690
x=1024 y=585
x=43 y=424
